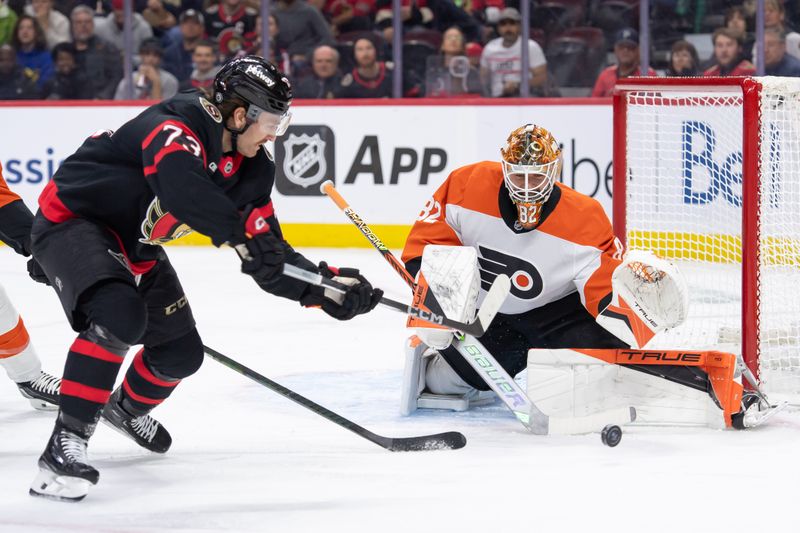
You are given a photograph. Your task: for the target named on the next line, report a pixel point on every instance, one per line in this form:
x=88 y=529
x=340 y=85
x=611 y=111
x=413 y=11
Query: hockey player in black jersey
x=184 y=164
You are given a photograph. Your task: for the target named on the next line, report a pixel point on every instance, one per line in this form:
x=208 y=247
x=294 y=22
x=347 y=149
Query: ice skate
x=756 y=410
x=64 y=472
x=42 y=392
x=145 y=430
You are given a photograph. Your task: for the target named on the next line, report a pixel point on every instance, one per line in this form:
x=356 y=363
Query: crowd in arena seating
x=71 y=49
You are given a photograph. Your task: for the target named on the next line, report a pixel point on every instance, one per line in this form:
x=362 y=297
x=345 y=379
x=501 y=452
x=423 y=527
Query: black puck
x=611 y=435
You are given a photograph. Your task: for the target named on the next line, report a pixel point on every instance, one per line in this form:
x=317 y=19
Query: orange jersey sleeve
x=6 y=195
x=473 y=187
x=588 y=225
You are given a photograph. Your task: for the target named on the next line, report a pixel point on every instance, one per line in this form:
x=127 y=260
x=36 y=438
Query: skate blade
x=755 y=419
x=52 y=486
x=41 y=405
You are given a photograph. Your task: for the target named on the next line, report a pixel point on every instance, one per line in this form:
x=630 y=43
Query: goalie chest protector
x=572 y=249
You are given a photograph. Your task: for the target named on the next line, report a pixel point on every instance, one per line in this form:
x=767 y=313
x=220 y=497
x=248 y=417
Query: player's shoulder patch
x=211 y=109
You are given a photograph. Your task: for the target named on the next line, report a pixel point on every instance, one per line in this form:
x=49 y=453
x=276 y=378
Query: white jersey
x=573 y=249
x=505 y=64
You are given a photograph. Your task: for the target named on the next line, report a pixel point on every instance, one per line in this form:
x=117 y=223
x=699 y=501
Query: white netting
x=683 y=201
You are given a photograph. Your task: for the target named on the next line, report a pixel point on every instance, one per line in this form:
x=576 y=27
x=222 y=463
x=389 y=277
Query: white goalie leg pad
x=453 y=278
x=649 y=295
x=413 y=375
x=24 y=365
x=565 y=383
x=430 y=383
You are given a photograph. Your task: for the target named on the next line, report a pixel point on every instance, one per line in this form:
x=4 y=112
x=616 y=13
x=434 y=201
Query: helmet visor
x=269 y=123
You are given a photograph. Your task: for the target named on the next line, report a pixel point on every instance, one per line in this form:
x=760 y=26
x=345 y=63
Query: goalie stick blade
x=451 y=440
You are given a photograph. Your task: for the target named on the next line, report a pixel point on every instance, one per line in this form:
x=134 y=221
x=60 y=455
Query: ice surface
x=246 y=459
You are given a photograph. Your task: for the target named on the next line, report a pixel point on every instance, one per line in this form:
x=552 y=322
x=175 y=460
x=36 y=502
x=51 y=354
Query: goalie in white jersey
x=571 y=286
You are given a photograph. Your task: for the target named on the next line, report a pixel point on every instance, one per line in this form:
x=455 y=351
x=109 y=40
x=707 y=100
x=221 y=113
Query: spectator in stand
x=70 y=82
x=205 y=67
x=501 y=60
x=776 y=61
x=109 y=28
x=626 y=51
x=277 y=56
x=160 y=19
x=98 y=58
x=736 y=21
x=486 y=12
x=32 y=50
x=447 y=14
x=151 y=82
x=415 y=14
x=232 y=24
x=8 y=21
x=683 y=60
x=370 y=78
x=324 y=79
x=728 y=56
x=303 y=28
x=16 y=81
x=775 y=17
x=178 y=55
x=349 y=15
x=449 y=73
x=54 y=24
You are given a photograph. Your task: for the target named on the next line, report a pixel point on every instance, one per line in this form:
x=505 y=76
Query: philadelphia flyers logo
x=526 y=282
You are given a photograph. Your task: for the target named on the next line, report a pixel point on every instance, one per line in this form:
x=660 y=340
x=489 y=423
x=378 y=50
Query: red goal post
x=707 y=174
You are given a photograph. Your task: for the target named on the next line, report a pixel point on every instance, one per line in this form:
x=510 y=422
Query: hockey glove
x=360 y=296
x=36 y=273
x=263 y=254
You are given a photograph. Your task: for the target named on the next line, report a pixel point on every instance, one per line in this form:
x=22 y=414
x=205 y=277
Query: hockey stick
x=328 y=188
x=494 y=297
x=484 y=363
x=523 y=408
x=497 y=293
x=451 y=440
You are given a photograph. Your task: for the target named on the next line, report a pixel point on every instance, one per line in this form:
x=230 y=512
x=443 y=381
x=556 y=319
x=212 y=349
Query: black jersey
x=160 y=176
x=354 y=86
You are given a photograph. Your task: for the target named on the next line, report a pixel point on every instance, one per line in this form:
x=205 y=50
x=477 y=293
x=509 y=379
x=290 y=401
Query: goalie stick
x=483 y=362
x=451 y=440
x=523 y=408
x=491 y=304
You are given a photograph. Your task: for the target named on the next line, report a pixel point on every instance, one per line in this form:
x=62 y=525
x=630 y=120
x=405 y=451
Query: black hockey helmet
x=255 y=81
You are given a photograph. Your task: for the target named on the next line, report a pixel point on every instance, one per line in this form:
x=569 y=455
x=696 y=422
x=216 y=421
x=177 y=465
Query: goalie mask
x=531 y=161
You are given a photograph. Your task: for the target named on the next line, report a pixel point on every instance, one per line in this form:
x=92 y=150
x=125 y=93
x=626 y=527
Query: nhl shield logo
x=304 y=163
x=306 y=158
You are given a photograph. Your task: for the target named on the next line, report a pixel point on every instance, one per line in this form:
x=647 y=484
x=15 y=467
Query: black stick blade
x=451 y=440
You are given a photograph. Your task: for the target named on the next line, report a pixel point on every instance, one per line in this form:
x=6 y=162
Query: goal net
x=707 y=174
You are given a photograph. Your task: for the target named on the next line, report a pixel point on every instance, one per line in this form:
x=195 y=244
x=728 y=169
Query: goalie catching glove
x=360 y=296
x=649 y=295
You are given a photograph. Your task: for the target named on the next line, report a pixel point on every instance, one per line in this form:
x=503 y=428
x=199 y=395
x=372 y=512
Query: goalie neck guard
x=531 y=161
